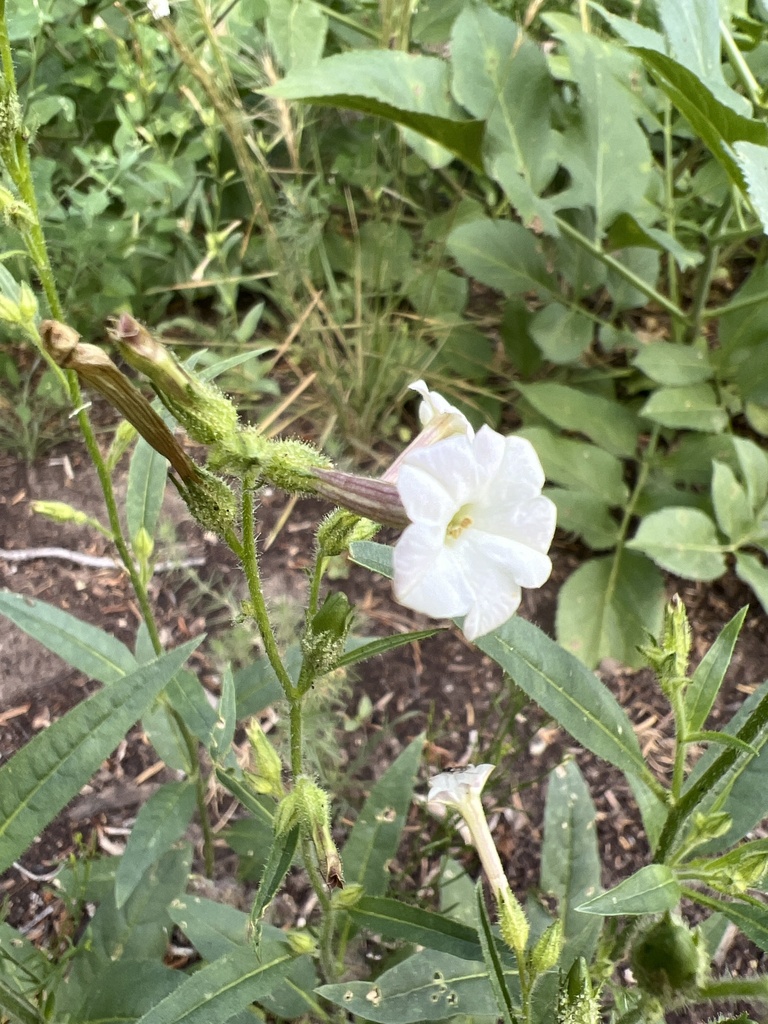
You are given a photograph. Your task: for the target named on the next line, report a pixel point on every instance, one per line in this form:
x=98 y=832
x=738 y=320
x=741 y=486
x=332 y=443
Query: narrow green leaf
x=753 y=921
x=219 y=990
x=411 y=90
x=567 y=690
x=651 y=890
x=712 y=736
x=674 y=365
x=717 y=125
x=17 y=1007
x=428 y=986
x=570 y=860
x=161 y=821
x=492 y=960
x=276 y=868
x=87 y=648
x=375 y=836
x=39 y=780
x=147 y=477
x=396 y=920
x=222 y=366
x=606 y=422
x=382 y=645
x=373 y=556
x=257 y=805
x=224 y=728
x=604 y=612
x=682 y=540
x=708 y=678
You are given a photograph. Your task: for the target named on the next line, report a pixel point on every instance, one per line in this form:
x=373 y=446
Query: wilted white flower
x=159 y=8
x=439 y=420
x=453 y=788
x=480 y=528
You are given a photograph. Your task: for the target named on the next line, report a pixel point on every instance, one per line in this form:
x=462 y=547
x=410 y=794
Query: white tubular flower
x=159 y=9
x=480 y=528
x=453 y=788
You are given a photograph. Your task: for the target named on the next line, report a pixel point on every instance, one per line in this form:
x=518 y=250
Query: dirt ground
x=444 y=687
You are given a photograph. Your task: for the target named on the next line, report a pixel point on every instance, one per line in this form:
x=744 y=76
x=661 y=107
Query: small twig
x=91 y=561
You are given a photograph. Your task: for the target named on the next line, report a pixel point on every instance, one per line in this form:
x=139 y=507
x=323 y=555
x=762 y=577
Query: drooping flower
x=480 y=528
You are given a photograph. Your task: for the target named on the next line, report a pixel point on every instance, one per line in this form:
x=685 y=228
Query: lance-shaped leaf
x=396 y=920
x=147 y=476
x=39 y=780
x=651 y=890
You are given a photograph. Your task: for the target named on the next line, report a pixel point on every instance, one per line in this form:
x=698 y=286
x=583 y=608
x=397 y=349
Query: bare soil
x=443 y=687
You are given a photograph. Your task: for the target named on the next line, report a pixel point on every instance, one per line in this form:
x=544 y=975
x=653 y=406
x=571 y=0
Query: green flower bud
x=288 y=813
x=211 y=502
x=667 y=959
x=61 y=512
x=27 y=303
x=11 y=123
x=348 y=897
x=323 y=642
x=512 y=921
x=301 y=942
x=290 y=465
x=267 y=777
x=315 y=816
x=546 y=952
x=15 y=212
x=577 y=1002
x=340 y=529
x=9 y=311
x=206 y=414
x=143 y=546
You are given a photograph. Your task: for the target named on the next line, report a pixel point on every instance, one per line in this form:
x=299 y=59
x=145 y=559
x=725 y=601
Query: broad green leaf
x=501 y=255
x=743 y=326
x=708 y=678
x=185 y=693
x=732 y=506
x=88 y=649
x=396 y=920
x=20 y=961
x=216 y=929
x=586 y=515
x=754 y=470
x=562 y=334
x=219 y=990
x=632 y=32
x=753 y=921
x=674 y=365
x=682 y=540
x=754 y=574
x=627 y=230
x=296 y=32
x=651 y=890
x=692 y=28
x=39 y=780
x=606 y=152
x=603 y=612
x=718 y=126
x=373 y=556
x=147 y=476
x=504 y=80
x=122 y=992
x=694 y=407
x=567 y=690
x=139 y=929
x=375 y=836
x=606 y=422
x=161 y=821
x=381 y=645
x=579 y=465
x=493 y=963
x=411 y=90
x=428 y=986
x=753 y=161
x=570 y=860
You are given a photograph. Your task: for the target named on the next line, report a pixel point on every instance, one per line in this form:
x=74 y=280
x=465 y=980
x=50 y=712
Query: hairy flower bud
x=323 y=642
x=211 y=502
x=61 y=512
x=340 y=529
x=267 y=777
x=668 y=958
x=206 y=414
x=315 y=817
x=546 y=952
x=577 y=1002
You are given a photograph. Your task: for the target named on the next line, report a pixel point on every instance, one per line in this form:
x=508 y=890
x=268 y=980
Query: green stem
x=706 y=273
x=740 y=66
x=669 y=188
x=258 y=604
x=708 y=780
x=735 y=307
x=637 y=282
x=681 y=736
x=297 y=738
x=344 y=19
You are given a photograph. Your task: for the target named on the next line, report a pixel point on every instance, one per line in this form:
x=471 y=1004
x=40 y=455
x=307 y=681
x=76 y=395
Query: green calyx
x=340 y=529
x=668 y=959
x=211 y=502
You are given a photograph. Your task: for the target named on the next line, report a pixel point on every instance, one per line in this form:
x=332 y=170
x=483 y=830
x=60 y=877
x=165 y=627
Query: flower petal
x=531 y=522
x=427 y=578
x=452 y=787
x=435 y=482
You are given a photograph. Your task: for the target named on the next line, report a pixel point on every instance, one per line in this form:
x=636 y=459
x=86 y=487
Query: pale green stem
x=681 y=737
x=706 y=272
x=609 y=261
x=669 y=188
x=740 y=66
